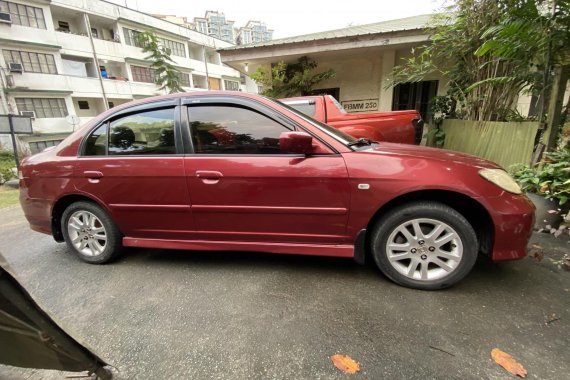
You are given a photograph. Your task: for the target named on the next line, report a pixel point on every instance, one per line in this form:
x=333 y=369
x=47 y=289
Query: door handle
x=209 y=177
x=208 y=174
x=92 y=174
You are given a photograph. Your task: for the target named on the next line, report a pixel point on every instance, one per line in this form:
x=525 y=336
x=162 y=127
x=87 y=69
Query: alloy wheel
x=424 y=249
x=87 y=233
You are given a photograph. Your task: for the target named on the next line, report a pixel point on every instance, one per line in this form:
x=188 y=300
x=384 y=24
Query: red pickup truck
x=395 y=126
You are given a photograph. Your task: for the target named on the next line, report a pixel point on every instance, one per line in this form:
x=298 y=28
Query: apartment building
x=63 y=62
x=253 y=32
x=215 y=25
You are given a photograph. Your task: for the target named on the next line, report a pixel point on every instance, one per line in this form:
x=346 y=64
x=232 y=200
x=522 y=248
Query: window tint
x=149 y=132
x=233 y=130
x=96 y=143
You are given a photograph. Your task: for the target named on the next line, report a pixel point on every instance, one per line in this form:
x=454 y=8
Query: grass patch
x=8 y=196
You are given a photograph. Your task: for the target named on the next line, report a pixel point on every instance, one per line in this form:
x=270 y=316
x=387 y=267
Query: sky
x=292 y=17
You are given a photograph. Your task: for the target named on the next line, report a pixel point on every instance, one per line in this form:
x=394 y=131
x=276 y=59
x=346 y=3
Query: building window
x=32 y=62
x=24 y=14
x=132 y=37
x=83 y=104
x=416 y=95
x=38 y=146
x=143 y=74
x=43 y=107
x=175 y=48
x=184 y=79
x=63 y=26
x=231 y=85
x=94 y=33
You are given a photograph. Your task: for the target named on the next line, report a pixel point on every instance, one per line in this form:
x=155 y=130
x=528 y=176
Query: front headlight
x=502 y=179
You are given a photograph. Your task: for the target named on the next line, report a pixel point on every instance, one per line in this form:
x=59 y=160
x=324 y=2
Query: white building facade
x=64 y=62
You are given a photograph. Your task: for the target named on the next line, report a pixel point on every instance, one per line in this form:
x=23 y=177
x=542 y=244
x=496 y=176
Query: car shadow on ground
x=484 y=272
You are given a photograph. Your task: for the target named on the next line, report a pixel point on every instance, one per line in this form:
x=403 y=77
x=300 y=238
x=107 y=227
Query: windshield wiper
x=361 y=141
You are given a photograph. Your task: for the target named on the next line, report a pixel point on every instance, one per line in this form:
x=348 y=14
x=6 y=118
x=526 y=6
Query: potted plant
x=548 y=186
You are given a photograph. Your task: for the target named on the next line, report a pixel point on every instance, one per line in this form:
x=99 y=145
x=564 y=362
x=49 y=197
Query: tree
x=166 y=76
x=537 y=32
x=290 y=79
x=489 y=51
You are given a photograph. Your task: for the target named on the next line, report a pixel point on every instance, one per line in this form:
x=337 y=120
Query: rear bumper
x=37 y=211
x=513 y=219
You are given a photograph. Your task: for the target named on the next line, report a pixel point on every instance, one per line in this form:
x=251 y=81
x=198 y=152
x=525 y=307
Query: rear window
x=306 y=107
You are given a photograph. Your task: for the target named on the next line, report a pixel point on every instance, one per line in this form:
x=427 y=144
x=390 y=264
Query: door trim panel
x=149 y=207
x=271 y=209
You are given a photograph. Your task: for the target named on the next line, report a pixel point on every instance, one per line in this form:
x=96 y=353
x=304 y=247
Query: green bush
x=550 y=178
x=7 y=165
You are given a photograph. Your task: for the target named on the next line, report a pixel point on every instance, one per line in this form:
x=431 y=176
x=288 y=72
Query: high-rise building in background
x=215 y=25
x=253 y=32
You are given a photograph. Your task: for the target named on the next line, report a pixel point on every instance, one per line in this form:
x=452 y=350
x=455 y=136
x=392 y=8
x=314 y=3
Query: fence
x=506 y=143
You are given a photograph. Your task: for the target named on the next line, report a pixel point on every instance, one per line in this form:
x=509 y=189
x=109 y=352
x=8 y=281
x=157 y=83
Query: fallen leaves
x=536 y=252
x=508 y=362
x=345 y=363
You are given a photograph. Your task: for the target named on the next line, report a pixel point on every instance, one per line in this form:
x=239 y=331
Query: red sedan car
x=232 y=171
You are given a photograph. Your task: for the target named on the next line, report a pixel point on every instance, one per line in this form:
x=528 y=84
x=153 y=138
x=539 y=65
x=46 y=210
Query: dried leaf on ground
x=536 y=252
x=345 y=363
x=508 y=362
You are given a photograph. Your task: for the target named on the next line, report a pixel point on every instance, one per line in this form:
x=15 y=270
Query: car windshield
x=338 y=135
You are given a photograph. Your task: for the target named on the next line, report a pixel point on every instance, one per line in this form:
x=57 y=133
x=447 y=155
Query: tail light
x=418 y=130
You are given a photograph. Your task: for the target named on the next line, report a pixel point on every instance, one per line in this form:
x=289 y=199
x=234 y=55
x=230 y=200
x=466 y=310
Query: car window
x=306 y=107
x=337 y=105
x=96 y=143
x=150 y=132
x=233 y=130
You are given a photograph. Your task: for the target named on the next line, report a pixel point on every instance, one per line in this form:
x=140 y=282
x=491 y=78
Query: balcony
x=140 y=89
x=108 y=49
x=39 y=82
x=74 y=44
x=28 y=34
x=120 y=89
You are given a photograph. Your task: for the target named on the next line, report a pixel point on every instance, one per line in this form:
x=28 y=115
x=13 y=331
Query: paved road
x=162 y=314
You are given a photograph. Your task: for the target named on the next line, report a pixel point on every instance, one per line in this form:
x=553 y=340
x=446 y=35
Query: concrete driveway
x=172 y=314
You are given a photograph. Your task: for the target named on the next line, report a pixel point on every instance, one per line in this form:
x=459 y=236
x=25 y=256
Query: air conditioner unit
x=30 y=114
x=5 y=17
x=16 y=67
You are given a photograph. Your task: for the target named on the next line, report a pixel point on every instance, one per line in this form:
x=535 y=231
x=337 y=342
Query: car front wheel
x=424 y=245
x=91 y=233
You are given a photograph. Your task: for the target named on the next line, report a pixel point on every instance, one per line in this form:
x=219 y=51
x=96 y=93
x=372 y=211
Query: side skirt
x=204 y=245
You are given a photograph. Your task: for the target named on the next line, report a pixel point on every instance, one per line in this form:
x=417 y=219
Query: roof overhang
x=238 y=57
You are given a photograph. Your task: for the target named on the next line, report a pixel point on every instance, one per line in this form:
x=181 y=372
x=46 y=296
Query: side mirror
x=296 y=142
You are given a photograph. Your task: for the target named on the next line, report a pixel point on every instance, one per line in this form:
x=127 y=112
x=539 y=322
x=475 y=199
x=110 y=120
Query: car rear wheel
x=424 y=245
x=91 y=233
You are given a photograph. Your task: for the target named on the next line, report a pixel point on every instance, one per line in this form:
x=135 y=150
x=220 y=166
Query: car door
x=133 y=164
x=244 y=188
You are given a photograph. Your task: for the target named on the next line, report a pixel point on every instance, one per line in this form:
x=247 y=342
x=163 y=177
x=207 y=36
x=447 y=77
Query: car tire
x=91 y=233
x=424 y=245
